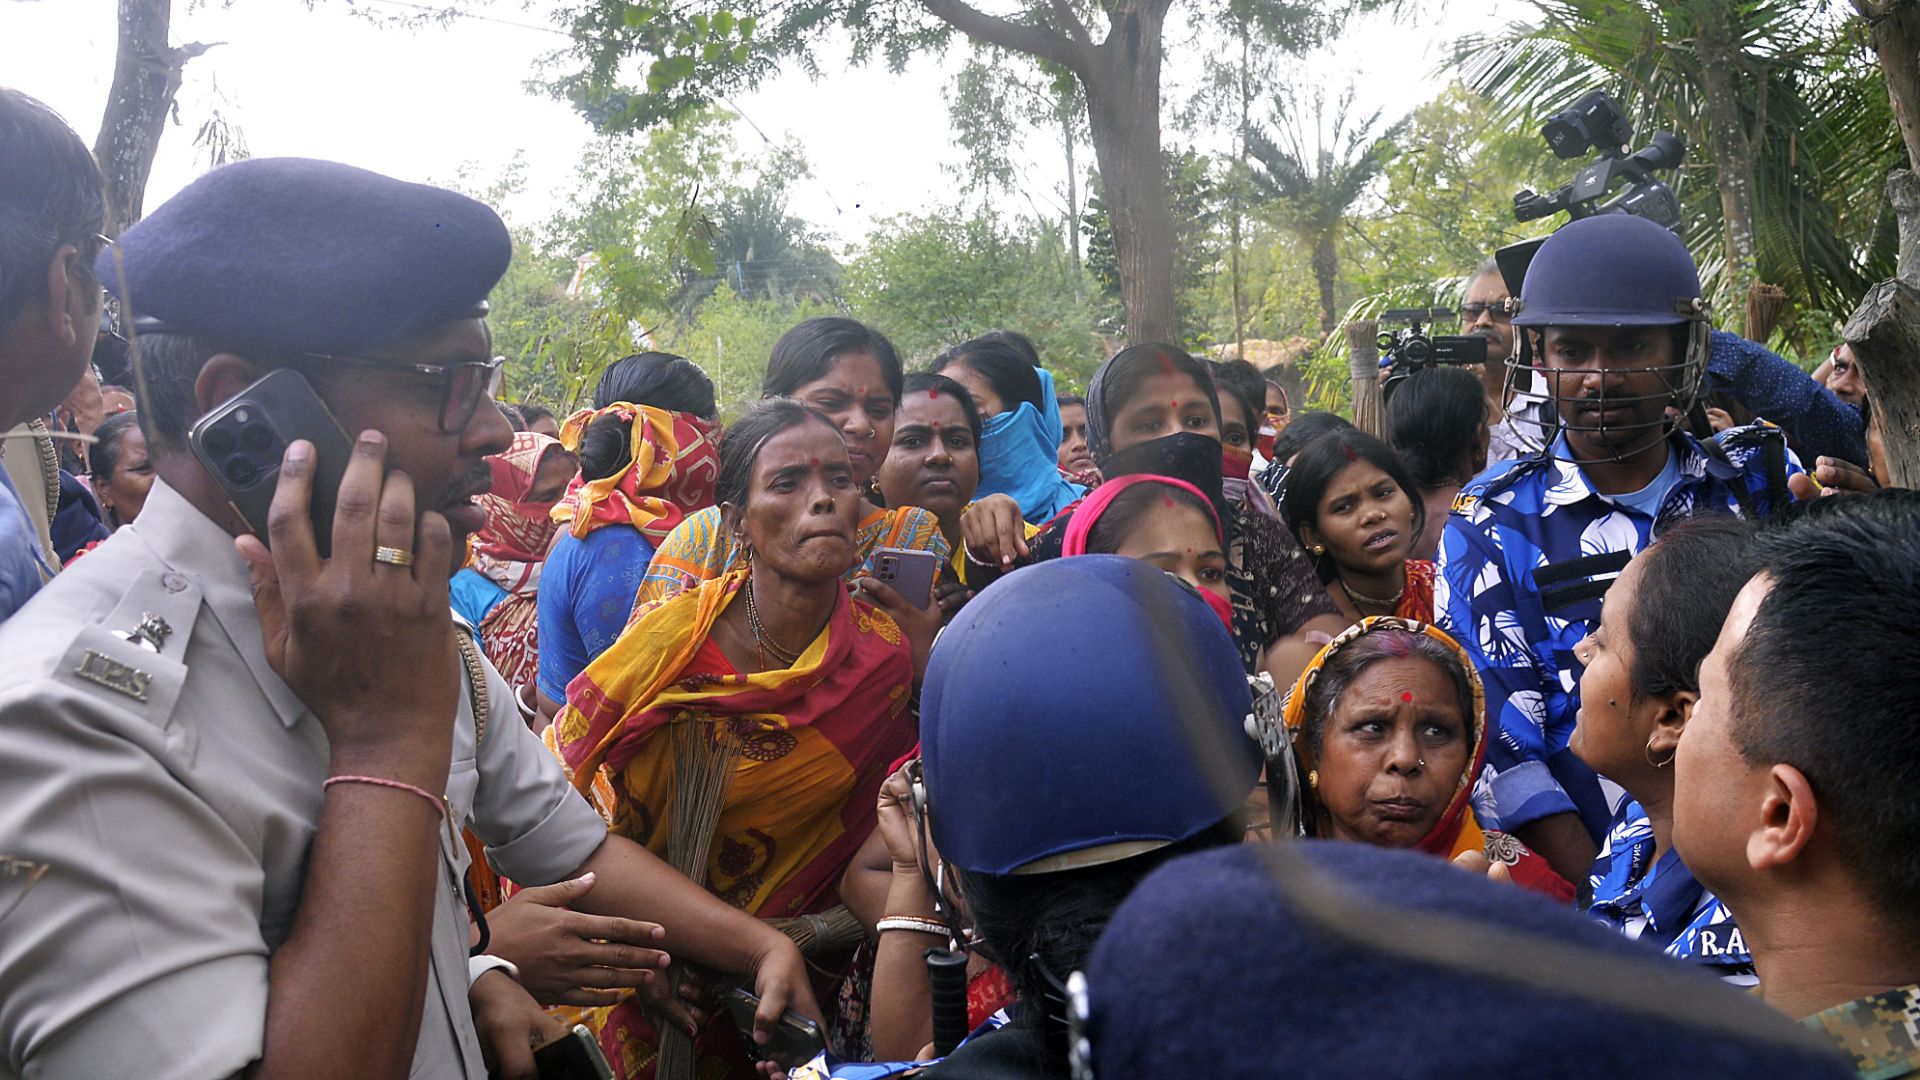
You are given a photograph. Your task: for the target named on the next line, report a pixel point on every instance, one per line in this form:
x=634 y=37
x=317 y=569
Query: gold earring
x=1313 y=779
x=1317 y=550
x=1660 y=764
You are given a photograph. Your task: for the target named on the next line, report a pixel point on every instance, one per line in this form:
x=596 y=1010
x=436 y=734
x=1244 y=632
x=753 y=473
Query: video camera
x=1410 y=350
x=1597 y=121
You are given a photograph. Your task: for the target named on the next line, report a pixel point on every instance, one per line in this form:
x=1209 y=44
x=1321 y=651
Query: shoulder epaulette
x=135 y=658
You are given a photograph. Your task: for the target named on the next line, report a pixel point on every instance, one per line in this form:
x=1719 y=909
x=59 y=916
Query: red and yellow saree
x=804 y=750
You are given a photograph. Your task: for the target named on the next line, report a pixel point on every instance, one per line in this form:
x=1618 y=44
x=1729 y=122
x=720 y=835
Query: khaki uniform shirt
x=157 y=809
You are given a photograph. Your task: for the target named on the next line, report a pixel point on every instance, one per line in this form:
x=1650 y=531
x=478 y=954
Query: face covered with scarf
x=528 y=481
x=1389 y=721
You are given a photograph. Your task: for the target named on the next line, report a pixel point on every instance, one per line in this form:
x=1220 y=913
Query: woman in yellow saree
x=743 y=727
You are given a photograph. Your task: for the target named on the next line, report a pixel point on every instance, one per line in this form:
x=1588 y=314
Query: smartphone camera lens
x=256 y=437
x=240 y=471
x=218 y=441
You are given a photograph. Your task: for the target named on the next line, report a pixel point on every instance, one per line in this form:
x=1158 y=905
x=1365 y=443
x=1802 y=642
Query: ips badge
x=118 y=677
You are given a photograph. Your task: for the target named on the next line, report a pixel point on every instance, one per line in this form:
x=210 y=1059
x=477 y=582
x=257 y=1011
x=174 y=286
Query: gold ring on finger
x=393 y=556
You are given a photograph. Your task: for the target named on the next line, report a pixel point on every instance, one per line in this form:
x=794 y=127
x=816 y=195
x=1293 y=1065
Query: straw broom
x=704 y=756
x=1765 y=304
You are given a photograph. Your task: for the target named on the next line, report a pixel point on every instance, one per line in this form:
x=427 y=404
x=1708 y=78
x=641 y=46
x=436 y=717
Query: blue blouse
x=587 y=591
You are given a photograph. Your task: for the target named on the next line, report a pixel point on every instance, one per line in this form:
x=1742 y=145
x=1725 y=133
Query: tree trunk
x=1326 y=274
x=1123 y=114
x=1363 y=365
x=1073 y=196
x=1896 y=39
x=1239 y=182
x=1885 y=334
x=1731 y=149
x=1903 y=192
x=146 y=76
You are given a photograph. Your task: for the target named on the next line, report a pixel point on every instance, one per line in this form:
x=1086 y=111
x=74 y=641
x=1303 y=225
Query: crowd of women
x=1215 y=629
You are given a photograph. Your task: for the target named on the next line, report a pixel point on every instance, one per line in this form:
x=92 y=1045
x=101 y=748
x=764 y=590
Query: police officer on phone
x=236 y=770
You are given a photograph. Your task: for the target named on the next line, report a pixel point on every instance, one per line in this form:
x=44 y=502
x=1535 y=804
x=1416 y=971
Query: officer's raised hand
x=363 y=637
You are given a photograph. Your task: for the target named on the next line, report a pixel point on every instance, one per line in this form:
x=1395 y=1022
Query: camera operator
x=1486 y=312
x=1621 y=335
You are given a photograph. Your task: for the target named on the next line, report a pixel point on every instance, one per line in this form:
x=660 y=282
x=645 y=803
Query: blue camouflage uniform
x=1526 y=556
x=1661 y=903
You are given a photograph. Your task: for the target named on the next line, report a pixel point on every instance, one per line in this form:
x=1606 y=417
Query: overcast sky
x=420 y=104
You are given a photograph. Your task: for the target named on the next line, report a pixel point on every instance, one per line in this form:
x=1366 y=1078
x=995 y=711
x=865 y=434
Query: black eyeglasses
x=1501 y=309
x=465 y=384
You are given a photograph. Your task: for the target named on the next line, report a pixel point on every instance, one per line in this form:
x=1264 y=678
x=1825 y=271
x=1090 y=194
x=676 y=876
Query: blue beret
x=1078 y=711
x=293 y=254
x=1210 y=969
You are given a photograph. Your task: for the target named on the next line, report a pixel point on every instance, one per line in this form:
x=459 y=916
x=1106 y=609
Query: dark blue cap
x=1610 y=270
x=298 y=255
x=1079 y=711
x=1212 y=969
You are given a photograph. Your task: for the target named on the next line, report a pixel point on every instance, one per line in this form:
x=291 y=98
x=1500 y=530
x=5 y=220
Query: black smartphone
x=573 y=1056
x=912 y=573
x=796 y=1039
x=242 y=441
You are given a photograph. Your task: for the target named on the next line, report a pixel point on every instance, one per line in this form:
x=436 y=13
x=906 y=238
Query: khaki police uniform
x=159 y=791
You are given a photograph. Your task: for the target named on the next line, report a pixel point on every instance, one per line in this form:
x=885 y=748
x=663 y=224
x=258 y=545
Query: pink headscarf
x=1088 y=513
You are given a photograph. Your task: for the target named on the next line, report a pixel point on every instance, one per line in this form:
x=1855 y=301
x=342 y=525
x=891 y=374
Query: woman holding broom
x=744 y=726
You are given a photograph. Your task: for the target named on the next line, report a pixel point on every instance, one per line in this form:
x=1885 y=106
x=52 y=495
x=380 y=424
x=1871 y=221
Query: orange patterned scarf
x=676 y=462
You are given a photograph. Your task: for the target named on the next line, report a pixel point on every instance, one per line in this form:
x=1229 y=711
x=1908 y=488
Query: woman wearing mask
x=1154 y=409
x=1020 y=440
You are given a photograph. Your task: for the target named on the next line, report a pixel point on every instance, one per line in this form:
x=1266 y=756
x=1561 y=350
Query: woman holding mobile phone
x=743 y=726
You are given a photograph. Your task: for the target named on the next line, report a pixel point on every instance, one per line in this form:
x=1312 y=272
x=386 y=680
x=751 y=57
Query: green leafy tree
x=1195 y=197
x=730 y=337
x=1446 y=194
x=1311 y=172
x=1753 y=86
x=929 y=282
x=693 y=52
x=758 y=247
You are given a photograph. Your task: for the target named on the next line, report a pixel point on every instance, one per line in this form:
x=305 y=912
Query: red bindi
x=1407 y=697
x=933 y=395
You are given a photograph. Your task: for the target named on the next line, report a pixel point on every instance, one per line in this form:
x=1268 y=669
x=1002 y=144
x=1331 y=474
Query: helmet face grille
x=1541 y=427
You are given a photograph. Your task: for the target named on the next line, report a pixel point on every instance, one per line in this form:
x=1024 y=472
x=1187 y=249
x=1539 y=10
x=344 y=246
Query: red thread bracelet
x=397 y=785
